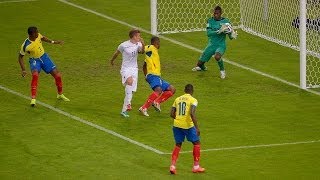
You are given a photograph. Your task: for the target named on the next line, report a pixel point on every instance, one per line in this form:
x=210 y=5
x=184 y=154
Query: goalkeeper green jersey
x=213 y=27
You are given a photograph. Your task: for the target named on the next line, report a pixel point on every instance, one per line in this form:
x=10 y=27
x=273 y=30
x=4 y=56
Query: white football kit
x=129 y=65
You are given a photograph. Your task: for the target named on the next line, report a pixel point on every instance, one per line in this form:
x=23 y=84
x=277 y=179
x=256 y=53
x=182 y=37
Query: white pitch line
x=187 y=46
x=138 y=143
x=16 y=1
x=254 y=146
x=85 y=122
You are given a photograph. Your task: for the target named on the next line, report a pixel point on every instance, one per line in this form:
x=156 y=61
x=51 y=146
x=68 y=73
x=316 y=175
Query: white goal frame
x=302 y=48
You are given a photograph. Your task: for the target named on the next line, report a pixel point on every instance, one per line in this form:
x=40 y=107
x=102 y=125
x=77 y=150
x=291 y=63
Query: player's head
x=134 y=35
x=188 y=89
x=155 y=41
x=33 y=32
x=217 y=11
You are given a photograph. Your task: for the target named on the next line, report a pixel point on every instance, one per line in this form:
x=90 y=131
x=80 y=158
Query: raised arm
x=115 y=55
x=141 y=49
x=45 y=39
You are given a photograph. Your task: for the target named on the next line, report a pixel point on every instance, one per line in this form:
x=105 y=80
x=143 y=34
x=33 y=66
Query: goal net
x=273 y=20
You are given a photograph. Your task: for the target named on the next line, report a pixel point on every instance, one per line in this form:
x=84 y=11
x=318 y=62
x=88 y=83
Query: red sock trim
x=150 y=100
x=34 y=84
x=175 y=155
x=164 y=96
x=58 y=80
x=196 y=154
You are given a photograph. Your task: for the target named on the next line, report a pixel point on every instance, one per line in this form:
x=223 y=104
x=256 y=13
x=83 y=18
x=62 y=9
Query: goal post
x=291 y=23
x=303 y=44
x=154 y=19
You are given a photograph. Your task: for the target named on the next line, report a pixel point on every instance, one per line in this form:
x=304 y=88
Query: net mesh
x=273 y=20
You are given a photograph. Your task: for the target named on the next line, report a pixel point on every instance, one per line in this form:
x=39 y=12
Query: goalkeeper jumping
x=217 y=30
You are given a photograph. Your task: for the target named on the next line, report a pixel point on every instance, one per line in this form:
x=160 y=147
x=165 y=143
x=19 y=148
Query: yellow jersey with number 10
x=183 y=109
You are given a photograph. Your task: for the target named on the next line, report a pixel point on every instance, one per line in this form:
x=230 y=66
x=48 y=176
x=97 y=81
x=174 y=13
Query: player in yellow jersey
x=185 y=126
x=162 y=90
x=39 y=60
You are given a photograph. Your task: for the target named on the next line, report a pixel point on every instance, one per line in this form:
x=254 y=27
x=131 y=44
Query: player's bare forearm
x=141 y=50
x=173 y=112
x=114 y=56
x=195 y=122
x=45 y=39
x=23 y=68
x=144 y=68
x=194 y=119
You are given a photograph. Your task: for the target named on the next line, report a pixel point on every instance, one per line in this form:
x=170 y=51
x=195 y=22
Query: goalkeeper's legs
x=205 y=57
x=200 y=66
x=218 y=58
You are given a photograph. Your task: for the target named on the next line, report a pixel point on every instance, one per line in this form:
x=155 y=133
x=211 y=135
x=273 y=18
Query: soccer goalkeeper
x=217 y=30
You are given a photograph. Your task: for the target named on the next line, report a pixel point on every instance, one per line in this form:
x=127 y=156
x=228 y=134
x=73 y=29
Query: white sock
x=127 y=98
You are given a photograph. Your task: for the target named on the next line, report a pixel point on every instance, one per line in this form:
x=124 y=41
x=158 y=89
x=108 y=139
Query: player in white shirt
x=129 y=68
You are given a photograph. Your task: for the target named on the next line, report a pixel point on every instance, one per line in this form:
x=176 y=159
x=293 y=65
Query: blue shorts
x=180 y=134
x=156 y=81
x=44 y=62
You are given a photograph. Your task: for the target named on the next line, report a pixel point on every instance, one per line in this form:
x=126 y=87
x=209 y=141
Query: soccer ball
x=227 y=28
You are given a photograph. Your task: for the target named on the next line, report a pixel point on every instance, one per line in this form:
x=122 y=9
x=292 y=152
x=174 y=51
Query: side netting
x=278 y=21
x=313 y=44
x=273 y=20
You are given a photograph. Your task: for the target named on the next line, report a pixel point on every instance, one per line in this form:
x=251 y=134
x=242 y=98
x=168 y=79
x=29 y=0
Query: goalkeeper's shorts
x=210 y=50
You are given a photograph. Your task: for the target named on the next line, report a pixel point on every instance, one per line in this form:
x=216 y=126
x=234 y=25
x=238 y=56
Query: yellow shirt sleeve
x=194 y=102
x=40 y=36
x=22 y=52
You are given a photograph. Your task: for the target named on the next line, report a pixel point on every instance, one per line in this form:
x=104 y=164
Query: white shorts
x=132 y=72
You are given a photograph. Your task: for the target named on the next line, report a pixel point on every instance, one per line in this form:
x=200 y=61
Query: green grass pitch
x=246 y=109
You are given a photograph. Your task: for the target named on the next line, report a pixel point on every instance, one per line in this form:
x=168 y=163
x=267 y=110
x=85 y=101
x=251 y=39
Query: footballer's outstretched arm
x=115 y=55
x=194 y=119
x=23 y=67
x=45 y=39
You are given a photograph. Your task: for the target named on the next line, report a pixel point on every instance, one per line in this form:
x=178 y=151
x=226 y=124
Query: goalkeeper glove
x=225 y=28
x=234 y=34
